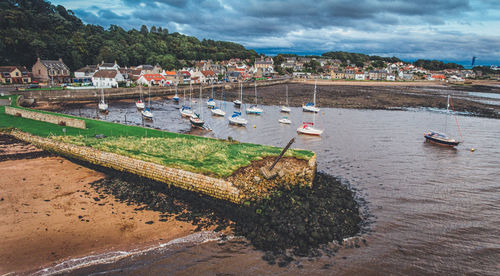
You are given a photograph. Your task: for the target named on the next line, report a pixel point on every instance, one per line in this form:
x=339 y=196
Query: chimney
x=60 y=59
x=38 y=59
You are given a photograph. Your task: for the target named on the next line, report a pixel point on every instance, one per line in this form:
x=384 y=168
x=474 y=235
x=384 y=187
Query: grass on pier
x=192 y=153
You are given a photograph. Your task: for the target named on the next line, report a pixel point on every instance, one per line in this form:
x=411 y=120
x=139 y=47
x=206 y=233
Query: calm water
x=436 y=210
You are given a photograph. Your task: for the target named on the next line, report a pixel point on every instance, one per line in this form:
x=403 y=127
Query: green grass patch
x=192 y=153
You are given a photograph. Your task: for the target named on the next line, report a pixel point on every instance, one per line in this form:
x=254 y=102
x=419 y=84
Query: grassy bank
x=192 y=153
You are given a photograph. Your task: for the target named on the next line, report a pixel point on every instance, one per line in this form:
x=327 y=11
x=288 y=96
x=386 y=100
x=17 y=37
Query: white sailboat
x=140 y=103
x=146 y=113
x=218 y=111
x=211 y=102
x=186 y=111
x=176 y=97
x=285 y=108
x=236 y=119
x=196 y=119
x=308 y=127
x=237 y=102
x=285 y=120
x=103 y=106
x=311 y=107
x=254 y=109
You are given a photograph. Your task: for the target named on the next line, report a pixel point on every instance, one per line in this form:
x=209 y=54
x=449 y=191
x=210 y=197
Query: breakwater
x=245 y=184
x=44 y=117
x=126 y=93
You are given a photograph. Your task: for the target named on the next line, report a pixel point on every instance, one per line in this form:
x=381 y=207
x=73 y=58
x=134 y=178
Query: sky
x=448 y=30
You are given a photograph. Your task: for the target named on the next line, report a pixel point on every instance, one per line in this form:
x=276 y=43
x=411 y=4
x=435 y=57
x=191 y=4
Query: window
x=17 y=74
x=39 y=72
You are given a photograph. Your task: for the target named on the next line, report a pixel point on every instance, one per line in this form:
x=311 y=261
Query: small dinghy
x=285 y=120
x=253 y=109
x=308 y=128
x=236 y=119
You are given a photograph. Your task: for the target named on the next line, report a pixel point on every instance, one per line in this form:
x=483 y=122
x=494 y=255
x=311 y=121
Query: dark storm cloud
x=411 y=29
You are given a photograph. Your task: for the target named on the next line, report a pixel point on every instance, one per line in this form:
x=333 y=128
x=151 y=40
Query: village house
x=185 y=76
x=10 y=75
x=234 y=76
x=152 y=79
x=337 y=74
x=209 y=76
x=150 y=69
x=391 y=77
x=54 y=71
x=85 y=74
x=377 y=75
x=107 y=78
x=359 y=75
x=265 y=64
x=171 y=76
x=108 y=66
x=438 y=77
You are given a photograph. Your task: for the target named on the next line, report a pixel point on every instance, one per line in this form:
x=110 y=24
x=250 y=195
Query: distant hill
x=357 y=59
x=36 y=28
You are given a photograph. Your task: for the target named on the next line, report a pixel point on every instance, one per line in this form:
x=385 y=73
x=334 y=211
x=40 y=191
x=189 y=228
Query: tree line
x=36 y=28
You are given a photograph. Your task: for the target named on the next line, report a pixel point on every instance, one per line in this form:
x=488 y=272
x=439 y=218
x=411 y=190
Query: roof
x=170 y=73
x=146 y=67
x=7 y=69
x=208 y=73
x=155 y=77
x=107 y=65
x=54 y=64
x=108 y=74
x=234 y=74
x=186 y=73
x=87 y=69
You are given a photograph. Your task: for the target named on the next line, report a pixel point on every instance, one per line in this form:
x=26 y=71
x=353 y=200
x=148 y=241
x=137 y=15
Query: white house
x=107 y=78
x=153 y=79
x=359 y=76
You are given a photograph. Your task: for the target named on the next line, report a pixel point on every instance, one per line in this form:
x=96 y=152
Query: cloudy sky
x=450 y=30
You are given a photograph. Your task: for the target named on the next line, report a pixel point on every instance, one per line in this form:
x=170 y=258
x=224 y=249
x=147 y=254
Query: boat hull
x=310 y=109
x=441 y=142
x=285 y=109
x=237 y=122
x=140 y=105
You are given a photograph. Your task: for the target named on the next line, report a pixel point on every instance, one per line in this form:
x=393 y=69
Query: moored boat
x=236 y=119
x=311 y=107
x=309 y=129
x=285 y=120
x=440 y=139
x=217 y=111
x=103 y=106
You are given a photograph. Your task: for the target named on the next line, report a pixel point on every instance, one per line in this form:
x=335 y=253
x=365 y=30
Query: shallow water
x=436 y=210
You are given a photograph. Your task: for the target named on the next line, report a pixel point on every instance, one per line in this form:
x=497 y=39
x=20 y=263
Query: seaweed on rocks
x=291 y=222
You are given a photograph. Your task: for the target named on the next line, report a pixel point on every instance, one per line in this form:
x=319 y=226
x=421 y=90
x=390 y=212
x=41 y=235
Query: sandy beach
x=50 y=213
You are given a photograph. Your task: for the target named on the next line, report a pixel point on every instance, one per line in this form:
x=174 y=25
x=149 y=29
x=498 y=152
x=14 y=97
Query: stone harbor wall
x=218 y=188
x=49 y=118
x=245 y=184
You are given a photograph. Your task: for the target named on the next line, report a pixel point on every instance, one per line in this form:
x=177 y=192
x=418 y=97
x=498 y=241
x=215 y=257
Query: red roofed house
x=171 y=77
x=152 y=79
x=437 y=77
x=210 y=76
x=186 y=76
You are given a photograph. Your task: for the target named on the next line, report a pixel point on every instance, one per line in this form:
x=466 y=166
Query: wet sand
x=50 y=213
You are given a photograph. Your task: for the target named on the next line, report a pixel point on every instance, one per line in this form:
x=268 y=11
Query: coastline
x=52 y=214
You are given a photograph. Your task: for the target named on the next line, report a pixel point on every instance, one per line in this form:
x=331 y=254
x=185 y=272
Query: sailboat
x=103 y=106
x=285 y=120
x=195 y=119
x=285 y=108
x=440 y=138
x=146 y=113
x=236 y=119
x=311 y=107
x=253 y=109
x=186 y=111
x=237 y=102
x=176 y=97
x=211 y=102
x=140 y=103
x=217 y=111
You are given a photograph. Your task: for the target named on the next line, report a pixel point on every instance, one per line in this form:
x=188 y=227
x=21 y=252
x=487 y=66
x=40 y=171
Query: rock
x=256 y=179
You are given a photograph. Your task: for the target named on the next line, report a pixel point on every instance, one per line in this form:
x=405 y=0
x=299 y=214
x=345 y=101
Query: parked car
x=34 y=86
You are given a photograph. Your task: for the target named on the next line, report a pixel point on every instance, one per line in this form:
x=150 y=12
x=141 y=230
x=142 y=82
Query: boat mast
x=241 y=92
x=199 y=105
x=255 y=92
x=149 y=98
x=190 y=92
x=314 y=100
x=447 y=112
x=286 y=86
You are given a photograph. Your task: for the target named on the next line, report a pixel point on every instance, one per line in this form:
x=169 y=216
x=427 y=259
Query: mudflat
x=50 y=213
